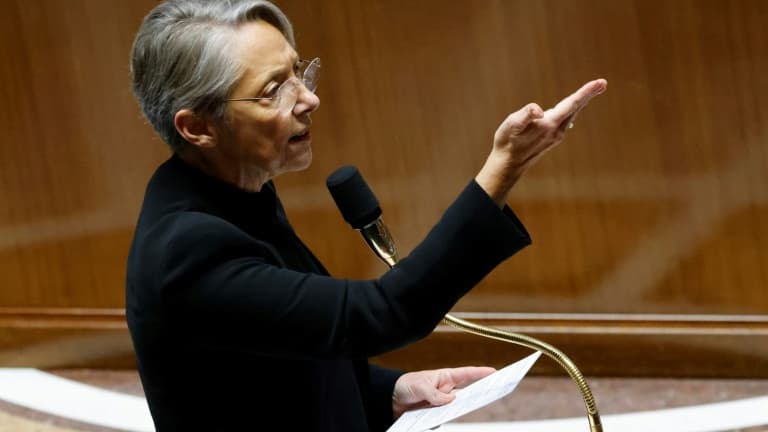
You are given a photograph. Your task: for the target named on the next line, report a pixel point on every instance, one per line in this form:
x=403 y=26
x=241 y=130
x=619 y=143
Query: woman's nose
x=306 y=102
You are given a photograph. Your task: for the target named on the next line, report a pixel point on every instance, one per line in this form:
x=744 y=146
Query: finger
x=464 y=376
x=436 y=397
x=516 y=122
x=576 y=101
x=568 y=122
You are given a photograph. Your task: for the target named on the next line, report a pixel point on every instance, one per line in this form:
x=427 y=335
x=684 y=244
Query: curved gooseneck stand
x=359 y=206
x=379 y=239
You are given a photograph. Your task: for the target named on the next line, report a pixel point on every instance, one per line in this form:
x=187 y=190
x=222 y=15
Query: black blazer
x=237 y=326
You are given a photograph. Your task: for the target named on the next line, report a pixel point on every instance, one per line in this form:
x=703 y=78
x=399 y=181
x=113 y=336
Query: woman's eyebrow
x=277 y=71
x=273 y=73
x=267 y=76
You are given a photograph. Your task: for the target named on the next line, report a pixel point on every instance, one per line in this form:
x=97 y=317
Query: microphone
x=360 y=208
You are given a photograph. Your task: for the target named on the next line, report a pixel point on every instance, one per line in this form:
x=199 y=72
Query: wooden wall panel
x=671 y=156
x=75 y=153
x=654 y=207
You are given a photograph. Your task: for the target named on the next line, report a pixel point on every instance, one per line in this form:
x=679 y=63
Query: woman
x=236 y=325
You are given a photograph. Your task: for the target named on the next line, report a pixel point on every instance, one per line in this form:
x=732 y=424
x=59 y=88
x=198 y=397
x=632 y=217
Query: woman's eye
x=298 y=70
x=271 y=90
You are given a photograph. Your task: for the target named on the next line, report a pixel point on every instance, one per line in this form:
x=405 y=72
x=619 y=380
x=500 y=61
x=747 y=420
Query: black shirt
x=237 y=326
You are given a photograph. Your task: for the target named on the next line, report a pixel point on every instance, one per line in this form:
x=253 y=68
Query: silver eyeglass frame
x=309 y=82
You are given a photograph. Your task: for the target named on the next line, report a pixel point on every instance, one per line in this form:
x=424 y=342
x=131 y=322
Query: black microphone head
x=355 y=200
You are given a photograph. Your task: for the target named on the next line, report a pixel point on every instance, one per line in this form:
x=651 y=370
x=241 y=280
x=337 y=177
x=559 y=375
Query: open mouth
x=301 y=137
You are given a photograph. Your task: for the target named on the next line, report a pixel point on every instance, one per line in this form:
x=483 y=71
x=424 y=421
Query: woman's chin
x=301 y=159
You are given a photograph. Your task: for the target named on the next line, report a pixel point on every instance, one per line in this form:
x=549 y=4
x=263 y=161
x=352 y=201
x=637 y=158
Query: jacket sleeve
x=218 y=290
x=378 y=403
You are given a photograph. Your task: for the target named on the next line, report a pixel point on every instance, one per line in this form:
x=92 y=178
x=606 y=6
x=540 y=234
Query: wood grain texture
x=656 y=204
x=75 y=153
x=653 y=205
x=600 y=344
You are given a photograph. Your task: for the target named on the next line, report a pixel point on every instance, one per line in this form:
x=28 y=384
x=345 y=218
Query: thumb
x=516 y=122
x=435 y=397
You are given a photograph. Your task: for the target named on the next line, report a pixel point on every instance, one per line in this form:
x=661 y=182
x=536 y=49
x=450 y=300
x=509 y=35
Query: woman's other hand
x=433 y=387
x=525 y=135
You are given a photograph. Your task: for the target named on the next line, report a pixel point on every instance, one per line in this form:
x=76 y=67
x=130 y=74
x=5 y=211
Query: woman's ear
x=194 y=128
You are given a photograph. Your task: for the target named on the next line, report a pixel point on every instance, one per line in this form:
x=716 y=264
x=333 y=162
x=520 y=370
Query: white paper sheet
x=474 y=396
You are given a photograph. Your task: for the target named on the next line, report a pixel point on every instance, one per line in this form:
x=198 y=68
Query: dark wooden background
x=650 y=223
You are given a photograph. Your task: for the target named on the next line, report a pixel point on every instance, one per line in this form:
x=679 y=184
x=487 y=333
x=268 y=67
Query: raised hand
x=525 y=135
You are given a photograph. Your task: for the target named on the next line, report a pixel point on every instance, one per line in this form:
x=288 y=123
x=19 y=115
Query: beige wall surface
x=650 y=223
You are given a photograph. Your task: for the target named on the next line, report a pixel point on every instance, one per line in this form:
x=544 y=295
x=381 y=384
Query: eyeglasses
x=285 y=96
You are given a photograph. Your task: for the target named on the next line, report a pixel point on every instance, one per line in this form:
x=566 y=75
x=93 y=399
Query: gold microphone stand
x=380 y=240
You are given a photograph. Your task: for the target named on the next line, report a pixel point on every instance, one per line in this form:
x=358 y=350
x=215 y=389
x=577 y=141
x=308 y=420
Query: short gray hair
x=181 y=58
